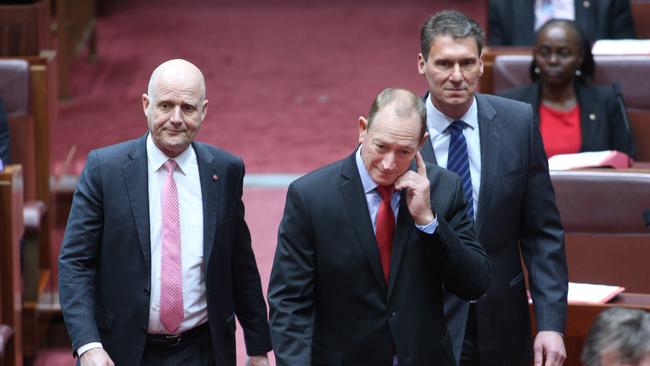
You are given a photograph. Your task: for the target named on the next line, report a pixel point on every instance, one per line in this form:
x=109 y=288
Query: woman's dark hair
x=587 y=67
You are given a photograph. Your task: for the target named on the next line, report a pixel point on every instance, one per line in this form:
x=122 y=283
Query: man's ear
x=204 y=110
x=363 y=129
x=424 y=138
x=145 y=103
x=481 y=64
x=421 y=64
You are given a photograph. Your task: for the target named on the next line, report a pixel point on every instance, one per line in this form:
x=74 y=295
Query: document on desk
x=588 y=293
x=590 y=159
x=621 y=47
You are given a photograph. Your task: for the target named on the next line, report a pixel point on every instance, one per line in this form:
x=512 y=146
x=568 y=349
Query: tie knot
x=170 y=165
x=456 y=127
x=385 y=192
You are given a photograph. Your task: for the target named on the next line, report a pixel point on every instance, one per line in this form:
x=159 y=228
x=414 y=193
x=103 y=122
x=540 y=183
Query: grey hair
x=405 y=102
x=624 y=331
x=449 y=23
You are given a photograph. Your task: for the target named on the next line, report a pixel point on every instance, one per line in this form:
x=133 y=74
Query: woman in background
x=574 y=115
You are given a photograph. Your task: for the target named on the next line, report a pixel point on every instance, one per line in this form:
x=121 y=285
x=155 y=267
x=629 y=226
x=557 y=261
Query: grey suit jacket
x=516 y=214
x=512 y=22
x=329 y=301
x=105 y=260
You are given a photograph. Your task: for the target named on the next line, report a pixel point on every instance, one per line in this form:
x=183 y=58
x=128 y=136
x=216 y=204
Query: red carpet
x=287 y=80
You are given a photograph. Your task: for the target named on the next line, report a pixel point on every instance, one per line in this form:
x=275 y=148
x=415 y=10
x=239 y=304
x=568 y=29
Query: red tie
x=385 y=227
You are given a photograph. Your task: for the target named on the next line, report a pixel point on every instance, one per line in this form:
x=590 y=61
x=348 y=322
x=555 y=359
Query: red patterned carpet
x=287 y=80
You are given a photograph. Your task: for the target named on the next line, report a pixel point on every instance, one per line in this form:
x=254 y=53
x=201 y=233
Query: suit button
x=144 y=328
x=392 y=314
x=147 y=291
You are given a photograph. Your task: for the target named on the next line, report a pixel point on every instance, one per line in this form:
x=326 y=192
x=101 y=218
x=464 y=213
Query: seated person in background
x=574 y=116
x=514 y=22
x=618 y=337
x=4 y=135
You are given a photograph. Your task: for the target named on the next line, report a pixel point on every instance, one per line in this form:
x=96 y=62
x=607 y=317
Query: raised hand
x=418 y=191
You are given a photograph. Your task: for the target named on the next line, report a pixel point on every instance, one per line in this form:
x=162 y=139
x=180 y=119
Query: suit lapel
x=427 y=152
x=357 y=206
x=135 y=172
x=490 y=147
x=588 y=117
x=403 y=229
x=210 y=192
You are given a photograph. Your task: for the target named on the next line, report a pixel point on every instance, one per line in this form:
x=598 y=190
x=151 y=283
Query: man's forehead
x=450 y=45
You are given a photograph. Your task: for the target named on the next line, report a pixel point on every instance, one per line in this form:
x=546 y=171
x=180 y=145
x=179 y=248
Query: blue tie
x=458 y=161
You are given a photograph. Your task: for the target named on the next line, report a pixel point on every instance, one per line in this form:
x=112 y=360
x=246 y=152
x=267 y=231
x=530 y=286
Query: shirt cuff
x=430 y=228
x=87 y=347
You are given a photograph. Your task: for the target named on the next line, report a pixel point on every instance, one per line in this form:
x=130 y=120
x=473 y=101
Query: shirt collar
x=366 y=180
x=437 y=122
x=157 y=158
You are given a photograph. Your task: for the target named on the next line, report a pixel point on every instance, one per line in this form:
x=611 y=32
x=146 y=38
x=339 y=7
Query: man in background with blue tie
x=156 y=260
x=494 y=145
x=364 y=247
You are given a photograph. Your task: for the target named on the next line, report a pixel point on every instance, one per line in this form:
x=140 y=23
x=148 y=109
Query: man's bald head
x=175 y=105
x=175 y=69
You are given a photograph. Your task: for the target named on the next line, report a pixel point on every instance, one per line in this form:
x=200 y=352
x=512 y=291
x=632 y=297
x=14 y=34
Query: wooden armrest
x=5 y=335
x=33 y=213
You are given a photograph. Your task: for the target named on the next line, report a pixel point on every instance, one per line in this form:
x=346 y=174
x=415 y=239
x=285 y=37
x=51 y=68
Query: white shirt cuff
x=87 y=347
x=430 y=228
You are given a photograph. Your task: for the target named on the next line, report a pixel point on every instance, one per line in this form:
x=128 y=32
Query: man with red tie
x=156 y=259
x=366 y=245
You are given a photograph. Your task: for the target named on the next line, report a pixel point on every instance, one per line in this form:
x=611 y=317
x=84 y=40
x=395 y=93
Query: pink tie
x=384 y=228
x=171 y=281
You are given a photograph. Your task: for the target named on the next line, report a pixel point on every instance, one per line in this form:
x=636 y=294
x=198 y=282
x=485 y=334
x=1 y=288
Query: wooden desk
x=11 y=231
x=581 y=316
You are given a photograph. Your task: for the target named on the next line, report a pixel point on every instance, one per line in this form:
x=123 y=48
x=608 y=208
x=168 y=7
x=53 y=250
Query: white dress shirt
x=190 y=205
x=546 y=10
x=437 y=124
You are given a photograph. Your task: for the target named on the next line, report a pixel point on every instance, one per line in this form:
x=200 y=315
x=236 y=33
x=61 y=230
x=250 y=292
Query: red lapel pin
x=215 y=177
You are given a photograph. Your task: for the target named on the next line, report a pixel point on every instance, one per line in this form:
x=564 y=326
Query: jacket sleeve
x=291 y=288
x=77 y=260
x=455 y=249
x=250 y=306
x=542 y=240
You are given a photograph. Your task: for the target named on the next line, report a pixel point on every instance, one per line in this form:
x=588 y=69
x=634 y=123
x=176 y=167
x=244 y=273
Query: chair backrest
x=14 y=86
x=603 y=202
x=15 y=93
x=511 y=71
x=607 y=240
x=641 y=14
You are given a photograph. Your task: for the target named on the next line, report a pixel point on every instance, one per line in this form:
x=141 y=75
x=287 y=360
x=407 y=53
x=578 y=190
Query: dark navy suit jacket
x=105 y=261
x=516 y=214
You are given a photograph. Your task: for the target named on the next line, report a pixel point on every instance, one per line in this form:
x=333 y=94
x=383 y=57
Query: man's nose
x=176 y=116
x=456 y=73
x=388 y=162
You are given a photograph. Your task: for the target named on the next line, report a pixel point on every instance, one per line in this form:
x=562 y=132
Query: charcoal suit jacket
x=105 y=260
x=516 y=214
x=329 y=301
